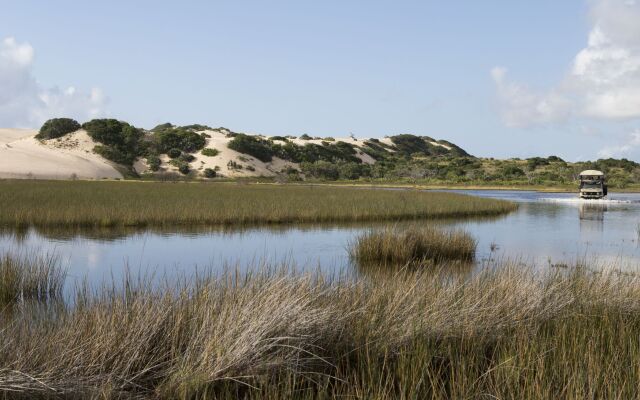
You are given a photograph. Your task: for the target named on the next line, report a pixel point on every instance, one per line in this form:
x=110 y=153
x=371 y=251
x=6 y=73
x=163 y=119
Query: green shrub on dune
x=121 y=142
x=179 y=138
x=253 y=146
x=57 y=127
x=209 y=152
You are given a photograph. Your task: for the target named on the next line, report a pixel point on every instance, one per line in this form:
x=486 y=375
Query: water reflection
x=546 y=229
x=591 y=218
x=22 y=234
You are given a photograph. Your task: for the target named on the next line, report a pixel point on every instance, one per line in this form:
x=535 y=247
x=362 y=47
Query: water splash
x=577 y=200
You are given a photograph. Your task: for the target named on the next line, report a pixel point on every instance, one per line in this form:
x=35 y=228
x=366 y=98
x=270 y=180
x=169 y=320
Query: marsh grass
x=503 y=333
x=108 y=204
x=414 y=245
x=25 y=277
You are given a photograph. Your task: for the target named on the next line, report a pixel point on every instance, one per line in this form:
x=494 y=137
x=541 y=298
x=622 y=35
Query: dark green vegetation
x=67 y=203
x=502 y=333
x=120 y=142
x=414 y=245
x=123 y=143
x=57 y=127
x=265 y=149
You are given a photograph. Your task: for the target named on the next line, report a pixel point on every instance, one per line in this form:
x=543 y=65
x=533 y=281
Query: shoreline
x=259 y=181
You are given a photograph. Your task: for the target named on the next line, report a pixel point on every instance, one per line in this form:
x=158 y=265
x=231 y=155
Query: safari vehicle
x=592 y=184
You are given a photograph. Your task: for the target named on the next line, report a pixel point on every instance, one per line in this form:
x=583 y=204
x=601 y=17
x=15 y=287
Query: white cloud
x=603 y=82
x=520 y=105
x=24 y=102
x=624 y=150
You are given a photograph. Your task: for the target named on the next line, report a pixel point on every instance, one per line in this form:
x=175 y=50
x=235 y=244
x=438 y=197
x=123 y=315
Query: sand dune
x=22 y=156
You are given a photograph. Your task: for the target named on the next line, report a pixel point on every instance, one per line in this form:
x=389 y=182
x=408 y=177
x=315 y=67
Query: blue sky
x=498 y=78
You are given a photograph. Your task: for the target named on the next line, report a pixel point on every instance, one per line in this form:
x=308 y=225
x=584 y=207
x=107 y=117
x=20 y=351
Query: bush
x=511 y=171
x=352 y=171
x=197 y=127
x=57 y=127
x=321 y=170
x=535 y=162
x=154 y=163
x=304 y=136
x=174 y=153
x=554 y=159
x=122 y=143
x=183 y=168
x=253 y=146
x=210 y=152
x=179 y=138
x=411 y=144
x=209 y=173
x=186 y=158
x=162 y=127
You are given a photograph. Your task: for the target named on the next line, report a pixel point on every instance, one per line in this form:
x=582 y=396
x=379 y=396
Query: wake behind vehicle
x=592 y=184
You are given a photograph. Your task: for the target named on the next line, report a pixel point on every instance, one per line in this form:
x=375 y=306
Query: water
x=547 y=229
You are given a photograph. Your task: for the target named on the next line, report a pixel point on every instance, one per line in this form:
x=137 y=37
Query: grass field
x=103 y=204
x=503 y=333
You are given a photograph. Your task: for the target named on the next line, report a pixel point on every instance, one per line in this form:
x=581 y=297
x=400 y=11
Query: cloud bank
x=603 y=81
x=25 y=103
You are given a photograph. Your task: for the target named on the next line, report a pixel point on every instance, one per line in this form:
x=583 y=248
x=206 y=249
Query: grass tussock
x=413 y=245
x=106 y=204
x=503 y=333
x=30 y=278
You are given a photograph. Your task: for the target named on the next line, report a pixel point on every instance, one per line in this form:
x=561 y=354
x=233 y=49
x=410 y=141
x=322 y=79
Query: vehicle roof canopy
x=591 y=172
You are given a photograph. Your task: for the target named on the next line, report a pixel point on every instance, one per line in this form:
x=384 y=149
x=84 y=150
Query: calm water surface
x=548 y=228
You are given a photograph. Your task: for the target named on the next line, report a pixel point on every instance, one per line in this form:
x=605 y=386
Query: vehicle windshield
x=591 y=185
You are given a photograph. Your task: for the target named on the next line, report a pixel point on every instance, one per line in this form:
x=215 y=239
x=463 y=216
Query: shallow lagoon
x=547 y=229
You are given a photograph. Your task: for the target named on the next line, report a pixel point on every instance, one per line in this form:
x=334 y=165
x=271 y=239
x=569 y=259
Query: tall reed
x=105 y=204
x=30 y=277
x=505 y=332
x=413 y=245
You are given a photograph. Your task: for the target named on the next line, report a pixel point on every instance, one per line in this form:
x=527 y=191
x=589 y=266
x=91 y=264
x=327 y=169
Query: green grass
x=413 y=245
x=503 y=333
x=105 y=204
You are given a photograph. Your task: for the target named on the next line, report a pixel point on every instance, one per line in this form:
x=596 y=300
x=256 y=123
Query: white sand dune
x=219 y=141
x=22 y=156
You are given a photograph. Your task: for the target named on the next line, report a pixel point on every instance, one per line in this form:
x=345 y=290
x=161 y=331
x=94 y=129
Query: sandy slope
x=218 y=141
x=23 y=156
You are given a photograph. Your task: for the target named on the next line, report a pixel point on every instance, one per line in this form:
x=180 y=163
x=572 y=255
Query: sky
x=499 y=78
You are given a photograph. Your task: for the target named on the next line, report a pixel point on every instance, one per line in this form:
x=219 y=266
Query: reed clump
x=505 y=332
x=413 y=245
x=108 y=204
x=28 y=277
